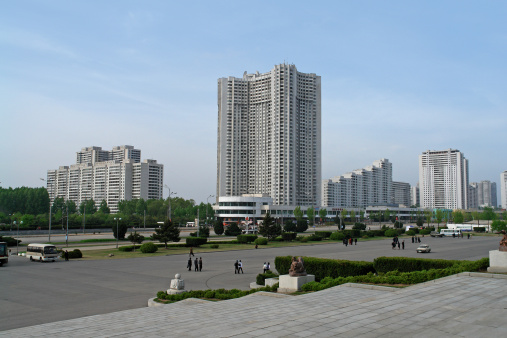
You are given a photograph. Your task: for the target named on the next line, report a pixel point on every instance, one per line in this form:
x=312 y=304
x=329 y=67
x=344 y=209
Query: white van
x=190 y=224
x=42 y=252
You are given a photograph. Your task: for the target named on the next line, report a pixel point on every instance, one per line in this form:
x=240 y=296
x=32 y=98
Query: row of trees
x=24 y=200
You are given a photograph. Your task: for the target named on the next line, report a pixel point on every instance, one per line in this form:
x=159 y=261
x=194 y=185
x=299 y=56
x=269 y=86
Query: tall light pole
x=169 y=200
x=207 y=207
x=84 y=209
x=67 y=230
x=50 y=207
x=117 y=235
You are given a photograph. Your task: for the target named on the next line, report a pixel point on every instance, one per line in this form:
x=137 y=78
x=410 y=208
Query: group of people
x=416 y=239
x=238 y=266
x=347 y=241
x=396 y=243
x=197 y=264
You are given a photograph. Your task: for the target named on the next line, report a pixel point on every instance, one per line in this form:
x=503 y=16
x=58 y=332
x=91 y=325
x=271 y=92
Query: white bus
x=462 y=227
x=450 y=232
x=42 y=252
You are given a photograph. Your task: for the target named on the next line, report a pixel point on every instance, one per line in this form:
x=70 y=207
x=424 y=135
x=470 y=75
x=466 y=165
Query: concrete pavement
x=464 y=305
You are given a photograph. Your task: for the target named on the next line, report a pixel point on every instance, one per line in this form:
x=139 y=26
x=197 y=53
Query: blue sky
x=398 y=78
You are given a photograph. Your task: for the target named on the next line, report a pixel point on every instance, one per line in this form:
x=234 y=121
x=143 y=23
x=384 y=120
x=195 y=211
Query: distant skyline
x=398 y=78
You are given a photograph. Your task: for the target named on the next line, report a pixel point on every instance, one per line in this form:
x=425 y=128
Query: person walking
x=240 y=266
x=468 y=236
x=393 y=244
x=265 y=267
x=196 y=264
x=355 y=241
x=236 y=267
x=398 y=245
x=66 y=255
x=419 y=239
x=403 y=245
x=191 y=252
x=189 y=264
x=200 y=263
x=269 y=267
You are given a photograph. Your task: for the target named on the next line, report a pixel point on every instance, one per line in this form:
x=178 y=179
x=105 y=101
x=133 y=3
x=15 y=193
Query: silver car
x=423 y=248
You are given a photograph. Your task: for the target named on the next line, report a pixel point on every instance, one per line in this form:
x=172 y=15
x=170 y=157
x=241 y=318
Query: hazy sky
x=398 y=78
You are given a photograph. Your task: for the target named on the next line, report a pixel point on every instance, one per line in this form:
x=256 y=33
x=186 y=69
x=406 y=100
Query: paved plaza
x=464 y=305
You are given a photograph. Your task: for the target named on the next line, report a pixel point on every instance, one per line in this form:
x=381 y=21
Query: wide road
x=35 y=293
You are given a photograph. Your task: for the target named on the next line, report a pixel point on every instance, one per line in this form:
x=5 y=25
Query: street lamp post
x=117 y=234
x=17 y=237
x=169 y=200
x=50 y=209
x=207 y=207
x=67 y=229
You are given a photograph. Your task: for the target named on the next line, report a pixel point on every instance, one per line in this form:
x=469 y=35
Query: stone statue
x=297 y=267
x=177 y=285
x=503 y=242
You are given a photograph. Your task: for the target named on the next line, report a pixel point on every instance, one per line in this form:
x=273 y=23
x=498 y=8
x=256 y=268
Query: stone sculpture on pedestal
x=177 y=285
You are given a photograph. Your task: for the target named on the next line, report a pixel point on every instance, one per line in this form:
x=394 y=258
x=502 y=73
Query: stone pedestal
x=497 y=261
x=288 y=284
x=177 y=285
x=270 y=281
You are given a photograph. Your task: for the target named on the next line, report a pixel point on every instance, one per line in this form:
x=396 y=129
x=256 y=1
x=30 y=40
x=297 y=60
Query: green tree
x=488 y=214
x=353 y=216
x=428 y=215
x=121 y=227
x=203 y=230
x=232 y=230
x=323 y=214
x=343 y=214
x=168 y=232
x=141 y=206
x=498 y=225
x=135 y=238
x=310 y=213
x=269 y=228
x=88 y=206
x=387 y=215
x=337 y=219
x=298 y=213
x=218 y=227
x=289 y=226
x=103 y=208
x=458 y=216
x=439 y=215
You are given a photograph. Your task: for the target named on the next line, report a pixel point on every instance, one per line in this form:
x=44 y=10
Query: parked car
x=436 y=234
x=423 y=248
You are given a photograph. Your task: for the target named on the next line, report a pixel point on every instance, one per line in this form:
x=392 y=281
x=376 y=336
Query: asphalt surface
x=34 y=293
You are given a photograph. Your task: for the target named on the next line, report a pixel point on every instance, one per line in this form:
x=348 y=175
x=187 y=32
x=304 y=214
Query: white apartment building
x=484 y=194
x=269 y=136
x=414 y=195
x=503 y=189
x=370 y=186
x=401 y=194
x=110 y=176
x=443 y=179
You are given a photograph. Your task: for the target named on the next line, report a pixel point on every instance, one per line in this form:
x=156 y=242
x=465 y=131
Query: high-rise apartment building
x=414 y=195
x=269 y=138
x=107 y=175
x=370 y=186
x=482 y=194
x=401 y=194
x=503 y=189
x=443 y=179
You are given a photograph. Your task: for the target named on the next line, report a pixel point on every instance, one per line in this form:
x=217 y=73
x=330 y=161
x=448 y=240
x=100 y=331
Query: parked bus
x=42 y=252
x=462 y=227
x=4 y=253
x=450 y=232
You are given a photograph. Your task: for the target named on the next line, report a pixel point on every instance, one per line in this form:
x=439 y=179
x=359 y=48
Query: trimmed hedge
x=314 y=238
x=261 y=278
x=76 y=253
x=321 y=267
x=406 y=264
x=480 y=229
x=337 y=236
x=261 y=241
x=221 y=294
x=289 y=236
x=196 y=241
x=149 y=248
x=128 y=248
x=323 y=234
x=352 y=233
x=246 y=238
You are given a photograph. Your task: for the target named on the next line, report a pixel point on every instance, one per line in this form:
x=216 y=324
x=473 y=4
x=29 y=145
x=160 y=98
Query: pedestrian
x=453 y=235
x=419 y=239
x=398 y=245
x=346 y=242
x=350 y=241
x=200 y=263
x=196 y=264
x=236 y=267
x=265 y=267
x=269 y=267
x=189 y=264
x=393 y=244
x=468 y=236
x=412 y=239
x=240 y=266
x=403 y=244
x=355 y=241
x=191 y=252
x=66 y=255
x=256 y=246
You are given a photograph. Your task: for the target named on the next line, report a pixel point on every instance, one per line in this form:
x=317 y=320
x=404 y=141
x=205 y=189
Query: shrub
x=218 y=228
x=410 y=232
x=76 y=253
x=406 y=264
x=321 y=267
x=149 y=248
x=261 y=241
x=480 y=229
x=352 y=233
x=247 y=238
x=359 y=226
x=196 y=241
x=398 y=225
x=425 y=231
x=391 y=233
x=323 y=234
x=314 y=238
x=214 y=246
x=337 y=236
x=278 y=239
x=289 y=226
x=127 y=248
x=289 y=236
x=261 y=278
x=301 y=225
x=232 y=230
x=193 y=234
